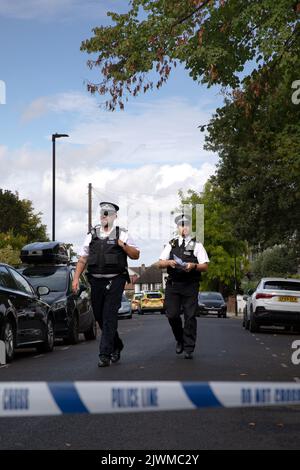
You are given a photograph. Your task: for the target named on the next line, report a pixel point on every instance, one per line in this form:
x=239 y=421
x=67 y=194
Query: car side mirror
x=245 y=297
x=250 y=292
x=42 y=290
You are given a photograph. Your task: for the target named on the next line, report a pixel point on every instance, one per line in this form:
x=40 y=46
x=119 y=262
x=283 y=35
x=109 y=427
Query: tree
x=257 y=137
x=17 y=216
x=19 y=225
x=214 y=39
x=276 y=261
x=221 y=241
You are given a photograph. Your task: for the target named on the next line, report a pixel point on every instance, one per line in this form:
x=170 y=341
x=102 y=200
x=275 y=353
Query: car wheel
x=48 y=344
x=253 y=325
x=8 y=336
x=73 y=332
x=91 y=333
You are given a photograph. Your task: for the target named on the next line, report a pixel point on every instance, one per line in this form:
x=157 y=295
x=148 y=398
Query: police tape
x=51 y=398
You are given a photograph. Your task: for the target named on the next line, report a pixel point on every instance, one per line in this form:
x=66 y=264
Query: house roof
x=151 y=275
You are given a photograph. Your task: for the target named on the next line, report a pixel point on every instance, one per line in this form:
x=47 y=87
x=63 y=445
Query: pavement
x=224 y=352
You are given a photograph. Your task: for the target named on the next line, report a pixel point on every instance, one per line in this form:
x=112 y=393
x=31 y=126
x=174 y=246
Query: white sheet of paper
x=179 y=261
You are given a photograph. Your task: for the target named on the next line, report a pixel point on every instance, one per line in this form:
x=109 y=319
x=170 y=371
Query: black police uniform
x=106 y=257
x=181 y=295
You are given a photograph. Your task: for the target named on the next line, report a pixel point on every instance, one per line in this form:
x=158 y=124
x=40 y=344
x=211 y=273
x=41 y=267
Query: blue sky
x=142 y=155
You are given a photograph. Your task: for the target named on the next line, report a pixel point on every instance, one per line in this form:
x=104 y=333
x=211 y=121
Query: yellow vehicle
x=136 y=302
x=151 y=302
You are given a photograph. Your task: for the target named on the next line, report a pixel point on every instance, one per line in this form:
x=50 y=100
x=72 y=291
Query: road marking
x=38 y=356
x=284 y=365
x=4 y=366
x=267 y=349
x=63 y=348
x=274 y=355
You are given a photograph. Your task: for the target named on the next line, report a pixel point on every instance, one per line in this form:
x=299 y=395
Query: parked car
x=212 y=303
x=274 y=302
x=151 y=302
x=136 y=302
x=25 y=320
x=72 y=313
x=125 y=309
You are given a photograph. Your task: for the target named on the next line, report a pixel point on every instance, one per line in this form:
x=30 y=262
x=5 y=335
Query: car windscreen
x=282 y=285
x=210 y=296
x=153 y=296
x=52 y=277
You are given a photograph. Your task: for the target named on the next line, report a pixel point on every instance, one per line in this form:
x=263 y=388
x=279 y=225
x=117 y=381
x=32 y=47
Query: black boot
x=104 y=361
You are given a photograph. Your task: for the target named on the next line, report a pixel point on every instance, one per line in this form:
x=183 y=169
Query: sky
x=138 y=158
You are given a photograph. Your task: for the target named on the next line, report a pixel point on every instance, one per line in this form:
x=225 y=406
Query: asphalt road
x=224 y=352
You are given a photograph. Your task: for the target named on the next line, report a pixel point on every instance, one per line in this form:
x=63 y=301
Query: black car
x=25 y=320
x=212 y=303
x=72 y=313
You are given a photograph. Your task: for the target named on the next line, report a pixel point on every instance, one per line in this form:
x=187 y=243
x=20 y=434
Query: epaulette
x=173 y=242
x=93 y=230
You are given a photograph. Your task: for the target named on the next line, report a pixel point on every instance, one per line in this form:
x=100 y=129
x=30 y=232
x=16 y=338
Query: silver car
x=125 y=309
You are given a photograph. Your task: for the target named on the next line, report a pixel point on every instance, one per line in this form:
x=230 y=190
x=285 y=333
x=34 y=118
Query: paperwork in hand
x=180 y=264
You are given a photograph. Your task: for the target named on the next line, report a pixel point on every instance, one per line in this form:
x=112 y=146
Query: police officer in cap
x=185 y=259
x=104 y=253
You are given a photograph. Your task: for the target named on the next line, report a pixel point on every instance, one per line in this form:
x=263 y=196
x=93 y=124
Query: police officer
x=185 y=259
x=104 y=253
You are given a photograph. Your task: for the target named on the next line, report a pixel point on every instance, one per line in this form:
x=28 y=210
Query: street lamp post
x=54 y=137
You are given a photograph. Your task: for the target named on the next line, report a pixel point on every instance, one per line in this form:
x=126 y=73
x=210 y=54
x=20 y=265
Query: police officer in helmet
x=104 y=253
x=185 y=259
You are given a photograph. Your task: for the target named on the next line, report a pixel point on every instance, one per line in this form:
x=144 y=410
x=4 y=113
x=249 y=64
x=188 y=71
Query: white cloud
x=165 y=131
x=75 y=102
x=137 y=202
x=139 y=158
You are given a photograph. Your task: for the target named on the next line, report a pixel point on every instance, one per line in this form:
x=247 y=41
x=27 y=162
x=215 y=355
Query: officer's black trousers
x=182 y=297
x=106 y=303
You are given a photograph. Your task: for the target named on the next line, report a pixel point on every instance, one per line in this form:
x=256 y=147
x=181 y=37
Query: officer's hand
x=75 y=286
x=172 y=263
x=189 y=267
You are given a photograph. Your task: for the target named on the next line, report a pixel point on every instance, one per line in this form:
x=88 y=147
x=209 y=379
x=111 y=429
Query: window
x=282 y=285
x=53 y=277
x=6 y=280
x=210 y=296
x=154 y=296
x=22 y=284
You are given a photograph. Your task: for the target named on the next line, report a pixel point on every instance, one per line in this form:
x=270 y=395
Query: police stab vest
x=186 y=254
x=105 y=255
